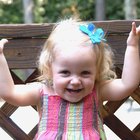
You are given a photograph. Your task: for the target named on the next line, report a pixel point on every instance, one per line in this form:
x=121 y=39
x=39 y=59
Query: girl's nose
x=75 y=81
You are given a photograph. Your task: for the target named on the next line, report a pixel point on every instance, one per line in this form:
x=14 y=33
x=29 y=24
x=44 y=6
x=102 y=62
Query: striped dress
x=62 y=120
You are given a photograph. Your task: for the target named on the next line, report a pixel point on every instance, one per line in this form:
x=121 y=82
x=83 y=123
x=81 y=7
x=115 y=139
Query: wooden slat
x=18 y=50
x=11 y=128
x=25 y=30
x=136 y=95
x=116 y=26
x=33 y=131
x=23 y=53
x=8 y=109
x=137 y=130
x=37 y=30
x=112 y=106
x=119 y=128
x=118 y=45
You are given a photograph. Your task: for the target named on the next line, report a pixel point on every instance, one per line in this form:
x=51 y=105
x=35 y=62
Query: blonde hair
x=64 y=31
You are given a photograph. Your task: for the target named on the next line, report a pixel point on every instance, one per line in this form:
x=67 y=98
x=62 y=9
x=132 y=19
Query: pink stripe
x=47 y=136
x=53 y=113
x=87 y=115
x=89 y=135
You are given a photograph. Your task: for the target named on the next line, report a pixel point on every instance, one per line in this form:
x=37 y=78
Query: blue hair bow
x=96 y=35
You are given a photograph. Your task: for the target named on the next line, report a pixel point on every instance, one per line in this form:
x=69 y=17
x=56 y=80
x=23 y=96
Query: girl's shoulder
x=43 y=88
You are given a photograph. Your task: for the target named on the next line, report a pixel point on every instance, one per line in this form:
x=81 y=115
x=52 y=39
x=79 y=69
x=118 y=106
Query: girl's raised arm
x=15 y=94
x=120 y=88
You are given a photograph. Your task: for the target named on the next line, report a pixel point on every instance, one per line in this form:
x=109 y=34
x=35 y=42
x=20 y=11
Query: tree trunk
x=100 y=10
x=130 y=9
x=28 y=11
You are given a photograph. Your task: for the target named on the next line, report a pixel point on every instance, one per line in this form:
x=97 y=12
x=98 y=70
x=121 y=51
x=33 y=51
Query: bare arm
x=120 y=88
x=15 y=94
x=6 y=81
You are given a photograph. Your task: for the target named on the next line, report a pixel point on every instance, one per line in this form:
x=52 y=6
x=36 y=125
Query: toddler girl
x=75 y=77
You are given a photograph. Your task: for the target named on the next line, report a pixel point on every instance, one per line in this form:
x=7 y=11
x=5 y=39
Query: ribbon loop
x=95 y=35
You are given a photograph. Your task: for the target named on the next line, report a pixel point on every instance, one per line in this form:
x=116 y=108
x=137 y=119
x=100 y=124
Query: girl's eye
x=64 y=73
x=85 y=73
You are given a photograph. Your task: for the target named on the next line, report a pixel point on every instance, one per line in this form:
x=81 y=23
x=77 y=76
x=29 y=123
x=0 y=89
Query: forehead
x=75 y=55
x=73 y=49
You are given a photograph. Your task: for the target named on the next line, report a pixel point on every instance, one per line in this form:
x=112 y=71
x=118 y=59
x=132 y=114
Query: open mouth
x=74 y=91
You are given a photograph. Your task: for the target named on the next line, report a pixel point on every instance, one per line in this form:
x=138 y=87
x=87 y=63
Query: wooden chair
x=25 y=42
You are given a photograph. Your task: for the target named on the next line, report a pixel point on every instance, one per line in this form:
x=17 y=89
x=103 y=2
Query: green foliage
x=11 y=13
x=138 y=8
x=52 y=10
x=115 y=10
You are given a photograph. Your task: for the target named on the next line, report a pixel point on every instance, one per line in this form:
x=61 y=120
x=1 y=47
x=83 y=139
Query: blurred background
x=48 y=11
x=44 y=11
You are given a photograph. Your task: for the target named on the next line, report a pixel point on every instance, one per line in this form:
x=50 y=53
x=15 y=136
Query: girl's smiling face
x=74 y=72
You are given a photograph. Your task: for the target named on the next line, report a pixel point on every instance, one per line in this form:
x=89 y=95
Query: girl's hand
x=134 y=35
x=2 y=42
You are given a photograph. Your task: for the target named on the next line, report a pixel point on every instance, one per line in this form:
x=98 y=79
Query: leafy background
x=53 y=10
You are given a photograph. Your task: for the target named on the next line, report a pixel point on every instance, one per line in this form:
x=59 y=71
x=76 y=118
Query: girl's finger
x=133 y=28
x=3 y=41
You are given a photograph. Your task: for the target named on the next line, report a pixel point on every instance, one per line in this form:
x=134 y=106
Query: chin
x=74 y=100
